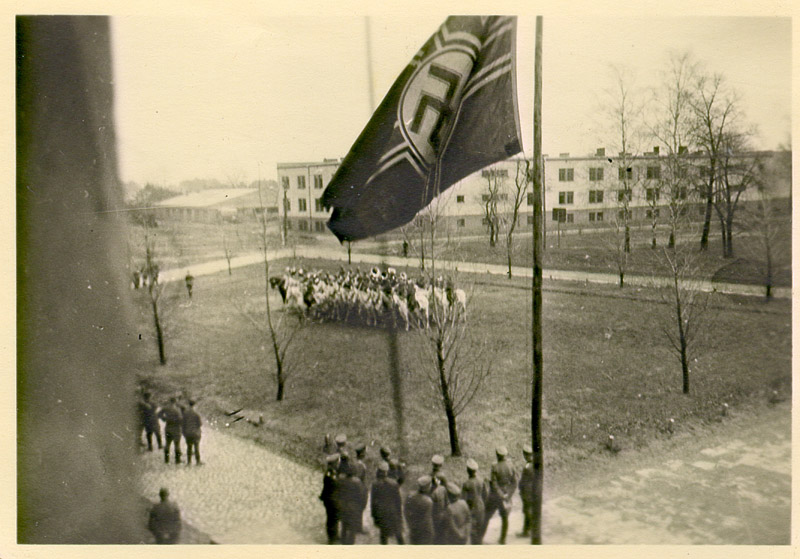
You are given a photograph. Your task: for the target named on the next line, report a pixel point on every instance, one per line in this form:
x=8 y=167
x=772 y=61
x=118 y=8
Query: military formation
x=435 y=512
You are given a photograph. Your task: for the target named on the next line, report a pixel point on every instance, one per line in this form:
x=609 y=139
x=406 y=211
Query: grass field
x=608 y=370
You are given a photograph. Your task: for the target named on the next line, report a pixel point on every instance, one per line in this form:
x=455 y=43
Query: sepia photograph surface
x=390 y=276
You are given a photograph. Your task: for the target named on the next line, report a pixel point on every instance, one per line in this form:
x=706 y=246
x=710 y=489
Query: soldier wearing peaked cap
x=527 y=490
x=351 y=501
x=475 y=494
x=436 y=466
x=457 y=520
x=502 y=484
x=387 y=505
x=328 y=497
x=358 y=464
x=419 y=513
x=439 y=497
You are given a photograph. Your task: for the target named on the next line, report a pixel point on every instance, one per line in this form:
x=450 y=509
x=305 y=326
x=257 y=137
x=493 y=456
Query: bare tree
x=228 y=251
x=519 y=190
x=716 y=112
x=278 y=336
x=490 y=198
x=622 y=113
x=154 y=288
x=768 y=219
x=738 y=171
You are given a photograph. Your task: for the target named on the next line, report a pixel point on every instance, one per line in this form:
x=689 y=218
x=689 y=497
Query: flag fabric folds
x=452 y=111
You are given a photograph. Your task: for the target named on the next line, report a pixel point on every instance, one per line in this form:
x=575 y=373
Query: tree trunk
x=707 y=218
x=684 y=365
x=455 y=447
x=729 y=236
x=768 y=285
x=162 y=355
x=621 y=279
x=508 y=252
x=671 y=243
x=627 y=238
x=281 y=382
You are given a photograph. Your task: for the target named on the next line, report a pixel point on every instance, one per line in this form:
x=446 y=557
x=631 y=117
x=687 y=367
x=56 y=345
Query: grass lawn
x=608 y=370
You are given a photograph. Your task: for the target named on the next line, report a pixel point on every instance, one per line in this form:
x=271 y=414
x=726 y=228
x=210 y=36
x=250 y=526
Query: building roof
x=206 y=198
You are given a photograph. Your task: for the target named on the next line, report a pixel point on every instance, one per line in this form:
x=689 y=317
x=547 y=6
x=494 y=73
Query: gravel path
x=730 y=487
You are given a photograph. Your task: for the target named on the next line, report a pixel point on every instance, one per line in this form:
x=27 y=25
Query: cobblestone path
x=735 y=490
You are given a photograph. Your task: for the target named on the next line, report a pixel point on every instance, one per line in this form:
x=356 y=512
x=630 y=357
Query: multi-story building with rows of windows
x=580 y=191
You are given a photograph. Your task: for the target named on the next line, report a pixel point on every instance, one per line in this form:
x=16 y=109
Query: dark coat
x=191 y=424
x=419 y=518
x=350 y=502
x=527 y=483
x=387 y=507
x=173 y=418
x=457 y=523
x=475 y=494
x=165 y=522
x=503 y=482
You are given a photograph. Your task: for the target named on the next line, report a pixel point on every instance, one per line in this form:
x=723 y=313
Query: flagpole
x=536 y=299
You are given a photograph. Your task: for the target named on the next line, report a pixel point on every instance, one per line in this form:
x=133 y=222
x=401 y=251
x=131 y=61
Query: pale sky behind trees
x=229 y=97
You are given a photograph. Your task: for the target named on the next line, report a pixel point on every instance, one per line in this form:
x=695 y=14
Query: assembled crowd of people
x=438 y=512
x=180 y=420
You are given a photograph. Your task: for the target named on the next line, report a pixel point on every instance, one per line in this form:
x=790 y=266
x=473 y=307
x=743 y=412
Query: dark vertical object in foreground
x=75 y=428
x=398 y=402
x=536 y=326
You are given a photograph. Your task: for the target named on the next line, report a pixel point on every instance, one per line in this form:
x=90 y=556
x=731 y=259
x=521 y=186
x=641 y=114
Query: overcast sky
x=229 y=98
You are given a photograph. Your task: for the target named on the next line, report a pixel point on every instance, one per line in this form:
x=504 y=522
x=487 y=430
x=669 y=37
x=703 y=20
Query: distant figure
x=419 y=513
x=475 y=494
x=502 y=485
x=189 y=283
x=165 y=520
x=457 y=520
x=191 y=433
x=405 y=249
x=172 y=417
x=358 y=464
x=148 y=414
x=439 y=497
x=527 y=490
x=387 y=506
x=396 y=467
x=328 y=498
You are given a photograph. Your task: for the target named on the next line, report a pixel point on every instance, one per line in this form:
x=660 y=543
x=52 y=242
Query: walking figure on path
x=502 y=484
x=527 y=490
x=148 y=414
x=329 y=496
x=165 y=519
x=457 y=522
x=172 y=417
x=387 y=506
x=189 y=283
x=192 y=427
x=475 y=494
x=351 y=500
x=419 y=513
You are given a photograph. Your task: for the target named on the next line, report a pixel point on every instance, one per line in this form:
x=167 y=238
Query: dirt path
x=730 y=485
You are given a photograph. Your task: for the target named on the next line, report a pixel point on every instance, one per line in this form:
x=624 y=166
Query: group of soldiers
x=180 y=420
x=438 y=512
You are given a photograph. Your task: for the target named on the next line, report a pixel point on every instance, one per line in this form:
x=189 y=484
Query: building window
x=565 y=197
x=530 y=199
x=624 y=215
x=459 y=199
x=595 y=216
x=625 y=173
x=461 y=222
x=652 y=194
x=682 y=193
x=570 y=218
x=652 y=213
x=484 y=197
x=596 y=174
x=319 y=226
x=285 y=182
x=302 y=225
x=624 y=195
x=317 y=181
x=301 y=182
x=595 y=196
x=318 y=205
x=287 y=205
x=566 y=175
x=486 y=173
x=485 y=221
x=559 y=214
x=301 y=205
x=502 y=196
x=654 y=172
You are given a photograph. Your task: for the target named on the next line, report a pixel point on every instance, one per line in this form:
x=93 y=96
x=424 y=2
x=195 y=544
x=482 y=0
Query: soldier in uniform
x=439 y=497
x=328 y=498
x=502 y=484
x=189 y=283
x=419 y=513
x=173 y=419
x=358 y=464
x=148 y=412
x=475 y=494
x=165 y=519
x=527 y=486
x=341 y=443
x=351 y=501
x=387 y=506
x=396 y=467
x=457 y=521
x=191 y=433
